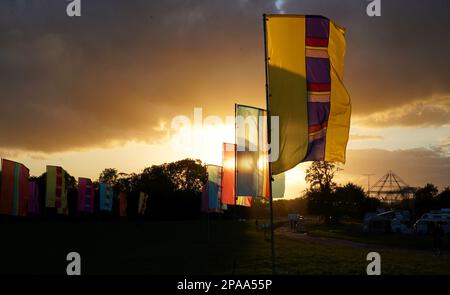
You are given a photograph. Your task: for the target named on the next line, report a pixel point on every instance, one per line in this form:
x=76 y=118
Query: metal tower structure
x=391 y=188
x=368 y=181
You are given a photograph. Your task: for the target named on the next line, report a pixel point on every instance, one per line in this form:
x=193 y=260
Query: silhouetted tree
x=320 y=176
x=187 y=175
x=322 y=204
x=424 y=199
x=109 y=176
x=349 y=200
x=123 y=182
x=173 y=188
x=353 y=202
x=443 y=199
x=321 y=200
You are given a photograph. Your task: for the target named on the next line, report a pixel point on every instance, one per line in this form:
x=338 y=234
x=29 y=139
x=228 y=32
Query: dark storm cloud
x=425 y=113
x=395 y=59
x=116 y=72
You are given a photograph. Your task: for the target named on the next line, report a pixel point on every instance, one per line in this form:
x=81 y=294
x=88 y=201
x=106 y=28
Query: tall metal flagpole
x=269 y=131
x=235 y=162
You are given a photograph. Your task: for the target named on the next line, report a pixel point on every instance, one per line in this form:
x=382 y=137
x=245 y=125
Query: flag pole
x=269 y=131
x=235 y=163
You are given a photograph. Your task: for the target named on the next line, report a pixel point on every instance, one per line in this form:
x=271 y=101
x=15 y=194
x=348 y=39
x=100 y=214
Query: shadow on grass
x=183 y=247
x=133 y=247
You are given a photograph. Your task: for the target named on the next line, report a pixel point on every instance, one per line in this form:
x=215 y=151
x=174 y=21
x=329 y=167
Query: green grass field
x=144 y=247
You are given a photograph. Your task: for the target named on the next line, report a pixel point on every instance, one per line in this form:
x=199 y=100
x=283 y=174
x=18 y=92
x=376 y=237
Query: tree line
x=174 y=189
x=333 y=202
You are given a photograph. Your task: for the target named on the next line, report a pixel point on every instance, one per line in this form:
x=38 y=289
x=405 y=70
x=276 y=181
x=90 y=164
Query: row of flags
x=20 y=196
x=244 y=173
x=309 y=110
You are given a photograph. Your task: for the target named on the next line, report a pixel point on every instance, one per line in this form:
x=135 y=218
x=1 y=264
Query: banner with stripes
x=14 y=188
x=106 y=197
x=56 y=193
x=85 y=195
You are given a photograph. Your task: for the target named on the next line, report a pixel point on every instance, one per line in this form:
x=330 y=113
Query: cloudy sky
x=101 y=90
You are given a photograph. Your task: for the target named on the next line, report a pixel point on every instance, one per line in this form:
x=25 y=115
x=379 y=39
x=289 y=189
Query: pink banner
x=85 y=195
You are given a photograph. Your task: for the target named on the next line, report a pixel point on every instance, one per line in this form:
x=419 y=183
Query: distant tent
x=106 y=197
x=14 y=189
x=85 y=195
x=33 y=197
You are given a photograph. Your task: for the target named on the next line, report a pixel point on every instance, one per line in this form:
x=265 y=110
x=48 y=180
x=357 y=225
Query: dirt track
x=285 y=231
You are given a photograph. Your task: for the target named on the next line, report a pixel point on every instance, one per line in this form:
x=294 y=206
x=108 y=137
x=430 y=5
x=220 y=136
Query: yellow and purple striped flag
x=305 y=59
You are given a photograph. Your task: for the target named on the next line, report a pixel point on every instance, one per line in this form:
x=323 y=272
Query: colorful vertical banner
x=143 y=198
x=33 y=197
x=228 y=174
x=85 y=195
x=14 y=189
x=252 y=159
x=214 y=187
x=56 y=194
x=106 y=197
x=123 y=204
x=305 y=59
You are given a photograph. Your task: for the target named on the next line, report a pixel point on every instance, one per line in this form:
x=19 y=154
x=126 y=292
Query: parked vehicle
x=389 y=221
x=296 y=222
x=442 y=217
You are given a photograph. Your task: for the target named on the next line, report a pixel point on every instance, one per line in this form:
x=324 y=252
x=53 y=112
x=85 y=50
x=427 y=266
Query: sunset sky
x=101 y=90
